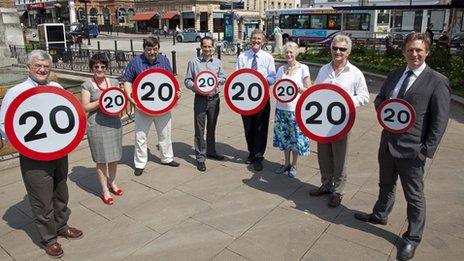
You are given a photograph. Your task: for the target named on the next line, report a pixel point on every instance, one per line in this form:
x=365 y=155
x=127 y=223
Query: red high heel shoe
x=107 y=201
x=118 y=192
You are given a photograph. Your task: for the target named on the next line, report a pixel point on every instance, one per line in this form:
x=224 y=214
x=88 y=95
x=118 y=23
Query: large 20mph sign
x=396 y=115
x=325 y=113
x=246 y=91
x=45 y=123
x=155 y=91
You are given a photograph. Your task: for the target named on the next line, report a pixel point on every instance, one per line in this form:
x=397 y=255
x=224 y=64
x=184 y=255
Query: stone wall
x=10 y=31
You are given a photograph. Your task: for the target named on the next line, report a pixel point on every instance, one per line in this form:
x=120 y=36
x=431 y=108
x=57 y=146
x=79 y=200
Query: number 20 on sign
x=325 y=113
x=45 y=123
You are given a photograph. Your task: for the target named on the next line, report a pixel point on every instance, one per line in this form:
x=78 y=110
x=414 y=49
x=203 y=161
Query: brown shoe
x=335 y=200
x=71 y=233
x=54 y=250
x=319 y=192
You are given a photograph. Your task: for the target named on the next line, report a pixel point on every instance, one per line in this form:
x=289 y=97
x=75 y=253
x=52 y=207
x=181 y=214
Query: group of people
x=400 y=155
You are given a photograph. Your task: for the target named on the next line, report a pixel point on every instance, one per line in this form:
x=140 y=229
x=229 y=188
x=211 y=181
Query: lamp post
x=86 y=24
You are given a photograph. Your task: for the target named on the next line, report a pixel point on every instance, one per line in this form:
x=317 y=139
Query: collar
x=347 y=67
x=416 y=71
x=202 y=59
x=29 y=78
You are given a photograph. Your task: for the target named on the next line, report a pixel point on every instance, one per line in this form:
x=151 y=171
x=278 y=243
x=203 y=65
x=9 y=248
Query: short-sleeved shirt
x=201 y=64
x=298 y=77
x=265 y=62
x=140 y=63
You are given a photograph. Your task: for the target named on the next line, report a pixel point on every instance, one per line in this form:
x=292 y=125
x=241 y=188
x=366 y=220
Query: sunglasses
x=341 y=49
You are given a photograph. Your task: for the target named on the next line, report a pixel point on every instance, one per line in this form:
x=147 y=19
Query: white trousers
x=163 y=130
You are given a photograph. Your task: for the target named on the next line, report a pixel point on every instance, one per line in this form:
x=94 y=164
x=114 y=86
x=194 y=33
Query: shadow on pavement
x=86 y=179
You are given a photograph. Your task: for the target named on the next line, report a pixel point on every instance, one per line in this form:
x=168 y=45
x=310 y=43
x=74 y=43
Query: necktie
x=254 y=63
x=404 y=85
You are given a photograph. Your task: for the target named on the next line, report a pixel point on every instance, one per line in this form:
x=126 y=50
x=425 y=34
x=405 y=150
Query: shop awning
x=170 y=14
x=144 y=16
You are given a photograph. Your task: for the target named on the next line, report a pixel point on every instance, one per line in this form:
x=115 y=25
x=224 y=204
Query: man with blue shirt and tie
x=403 y=155
x=256 y=125
x=151 y=58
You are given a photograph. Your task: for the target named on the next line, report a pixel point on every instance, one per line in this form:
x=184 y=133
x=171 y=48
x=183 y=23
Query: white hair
x=343 y=38
x=290 y=45
x=38 y=54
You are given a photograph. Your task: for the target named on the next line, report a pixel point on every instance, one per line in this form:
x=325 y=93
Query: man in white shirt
x=256 y=125
x=45 y=181
x=332 y=156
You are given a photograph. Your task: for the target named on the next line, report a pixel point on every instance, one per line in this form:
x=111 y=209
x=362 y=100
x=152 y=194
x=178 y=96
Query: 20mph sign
x=246 y=91
x=206 y=82
x=155 y=91
x=45 y=123
x=325 y=113
x=113 y=101
x=396 y=115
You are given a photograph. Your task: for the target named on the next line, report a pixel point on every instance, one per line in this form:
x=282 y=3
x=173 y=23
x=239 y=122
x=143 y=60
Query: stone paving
x=231 y=212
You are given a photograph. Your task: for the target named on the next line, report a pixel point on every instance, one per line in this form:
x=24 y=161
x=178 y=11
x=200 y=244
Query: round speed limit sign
x=206 y=82
x=45 y=123
x=285 y=90
x=246 y=91
x=113 y=101
x=325 y=113
x=396 y=115
x=155 y=91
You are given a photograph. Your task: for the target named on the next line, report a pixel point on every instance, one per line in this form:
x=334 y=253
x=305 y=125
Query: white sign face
x=45 y=123
x=155 y=91
x=246 y=91
x=113 y=101
x=396 y=115
x=285 y=90
x=206 y=82
x=325 y=113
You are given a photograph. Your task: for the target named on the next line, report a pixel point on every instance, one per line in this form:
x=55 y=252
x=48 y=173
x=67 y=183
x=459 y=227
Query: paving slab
x=22 y=243
x=228 y=255
x=164 y=178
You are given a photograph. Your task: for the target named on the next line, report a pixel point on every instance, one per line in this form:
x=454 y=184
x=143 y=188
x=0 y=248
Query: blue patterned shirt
x=140 y=63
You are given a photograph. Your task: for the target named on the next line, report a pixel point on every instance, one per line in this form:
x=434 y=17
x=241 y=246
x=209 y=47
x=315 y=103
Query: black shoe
x=138 y=172
x=171 y=164
x=406 y=252
x=257 y=166
x=369 y=218
x=249 y=160
x=215 y=156
x=201 y=166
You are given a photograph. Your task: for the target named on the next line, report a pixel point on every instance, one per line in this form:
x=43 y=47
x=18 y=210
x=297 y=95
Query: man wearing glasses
x=331 y=156
x=45 y=181
x=151 y=58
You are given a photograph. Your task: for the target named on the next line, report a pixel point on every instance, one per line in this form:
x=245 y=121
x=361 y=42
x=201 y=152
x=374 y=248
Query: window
x=285 y=22
x=318 y=22
x=357 y=22
x=382 y=18
x=334 y=22
x=300 y=21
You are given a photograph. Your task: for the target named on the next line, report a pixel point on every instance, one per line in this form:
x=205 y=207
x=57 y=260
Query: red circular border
x=405 y=103
x=348 y=100
x=199 y=89
x=100 y=100
x=275 y=89
x=263 y=81
x=139 y=78
x=45 y=156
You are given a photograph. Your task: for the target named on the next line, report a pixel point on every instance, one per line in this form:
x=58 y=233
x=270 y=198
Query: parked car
x=79 y=29
x=458 y=40
x=192 y=35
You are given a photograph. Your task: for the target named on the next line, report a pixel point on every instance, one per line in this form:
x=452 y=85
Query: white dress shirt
x=351 y=79
x=265 y=61
x=11 y=94
x=412 y=79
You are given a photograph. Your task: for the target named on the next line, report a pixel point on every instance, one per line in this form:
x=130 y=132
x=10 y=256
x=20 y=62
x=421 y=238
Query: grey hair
x=343 y=38
x=258 y=31
x=38 y=55
x=290 y=45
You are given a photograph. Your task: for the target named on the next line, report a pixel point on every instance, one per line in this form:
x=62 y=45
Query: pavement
x=231 y=212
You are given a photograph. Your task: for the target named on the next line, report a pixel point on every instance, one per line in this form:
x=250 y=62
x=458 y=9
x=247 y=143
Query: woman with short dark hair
x=104 y=132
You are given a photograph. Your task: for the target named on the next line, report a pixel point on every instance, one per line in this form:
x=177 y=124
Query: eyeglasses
x=40 y=66
x=96 y=67
x=341 y=49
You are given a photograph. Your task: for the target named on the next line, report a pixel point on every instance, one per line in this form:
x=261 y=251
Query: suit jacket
x=430 y=97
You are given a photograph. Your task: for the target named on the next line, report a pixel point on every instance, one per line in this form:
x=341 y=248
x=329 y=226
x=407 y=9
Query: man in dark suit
x=404 y=154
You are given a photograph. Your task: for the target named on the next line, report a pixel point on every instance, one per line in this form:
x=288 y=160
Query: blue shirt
x=140 y=63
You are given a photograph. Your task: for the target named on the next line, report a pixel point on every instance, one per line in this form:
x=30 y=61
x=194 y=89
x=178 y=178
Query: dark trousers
x=332 y=158
x=206 y=111
x=256 y=127
x=46 y=188
x=411 y=173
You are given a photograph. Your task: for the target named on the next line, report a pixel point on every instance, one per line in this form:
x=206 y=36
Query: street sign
x=396 y=115
x=285 y=90
x=113 y=101
x=246 y=91
x=206 y=82
x=45 y=123
x=155 y=91
x=325 y=113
